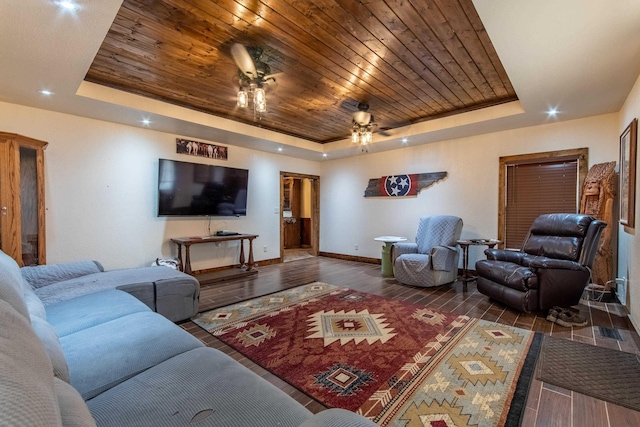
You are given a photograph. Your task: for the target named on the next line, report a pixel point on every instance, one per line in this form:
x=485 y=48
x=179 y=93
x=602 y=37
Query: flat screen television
x=192 y=189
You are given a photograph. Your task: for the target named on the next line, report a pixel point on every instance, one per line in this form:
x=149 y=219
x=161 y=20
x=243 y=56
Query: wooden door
x=22 y=214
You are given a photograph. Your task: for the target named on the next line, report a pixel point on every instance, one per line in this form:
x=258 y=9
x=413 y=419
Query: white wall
x=101 y=188
x=470 y=190
x=101 y=192
x=628 y=239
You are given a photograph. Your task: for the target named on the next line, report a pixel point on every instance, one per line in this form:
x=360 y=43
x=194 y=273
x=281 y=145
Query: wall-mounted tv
x=192 y=189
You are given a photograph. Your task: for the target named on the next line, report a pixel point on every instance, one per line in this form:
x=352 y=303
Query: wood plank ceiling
x=410 y=60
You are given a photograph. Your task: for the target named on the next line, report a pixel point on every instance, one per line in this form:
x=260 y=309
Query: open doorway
x=299 y=216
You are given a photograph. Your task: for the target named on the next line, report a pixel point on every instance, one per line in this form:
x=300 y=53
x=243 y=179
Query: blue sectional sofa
x=105 y=358
x=169 y=292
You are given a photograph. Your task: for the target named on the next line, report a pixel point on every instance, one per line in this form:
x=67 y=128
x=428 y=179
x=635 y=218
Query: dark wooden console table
x=210 y=277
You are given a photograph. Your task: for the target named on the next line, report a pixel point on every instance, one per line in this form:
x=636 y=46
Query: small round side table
x=464 y=244
x=387 y=267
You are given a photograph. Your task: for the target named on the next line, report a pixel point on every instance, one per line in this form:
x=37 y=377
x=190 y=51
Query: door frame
x=315 y=210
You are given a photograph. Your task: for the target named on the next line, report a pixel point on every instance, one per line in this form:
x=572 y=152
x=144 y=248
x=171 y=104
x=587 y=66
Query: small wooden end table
x=387 y=267
x=464 y=244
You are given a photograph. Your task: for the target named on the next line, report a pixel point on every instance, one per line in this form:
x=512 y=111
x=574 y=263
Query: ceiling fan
x=362 y=125
x=251 y=68
x=363 y=121
x=253 y=75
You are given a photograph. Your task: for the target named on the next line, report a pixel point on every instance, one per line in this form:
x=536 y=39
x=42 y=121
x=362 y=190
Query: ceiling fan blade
x=271 y=78
x=270 y=85
x=243 y=60
x=390 y=129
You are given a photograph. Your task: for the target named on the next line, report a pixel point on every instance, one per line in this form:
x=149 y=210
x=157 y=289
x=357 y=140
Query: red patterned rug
x=393 y=362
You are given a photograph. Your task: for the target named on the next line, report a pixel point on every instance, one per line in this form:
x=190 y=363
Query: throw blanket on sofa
x=38 y=277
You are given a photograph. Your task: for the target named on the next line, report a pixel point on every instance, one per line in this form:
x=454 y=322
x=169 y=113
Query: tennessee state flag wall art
x=402 y=185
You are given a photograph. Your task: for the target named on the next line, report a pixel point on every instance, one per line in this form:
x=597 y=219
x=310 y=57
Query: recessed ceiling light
x=146 y=122
x=405 y=140
x=324 y=154
x=552 y=112
x=46 y=92
x=66 y=4
x=279 y=148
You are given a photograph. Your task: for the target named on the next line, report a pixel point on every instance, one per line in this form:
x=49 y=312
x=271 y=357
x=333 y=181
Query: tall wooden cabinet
x=22 y=215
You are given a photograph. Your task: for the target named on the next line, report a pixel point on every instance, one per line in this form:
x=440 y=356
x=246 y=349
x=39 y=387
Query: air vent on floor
x=610 y=333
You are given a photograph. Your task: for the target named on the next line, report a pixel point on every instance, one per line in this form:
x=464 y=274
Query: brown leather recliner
x=552 y=269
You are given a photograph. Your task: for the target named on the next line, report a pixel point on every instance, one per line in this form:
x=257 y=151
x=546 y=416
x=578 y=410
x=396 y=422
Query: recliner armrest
x=544 y=262
x=443 y=257
x=401 y=248
x=502 y=255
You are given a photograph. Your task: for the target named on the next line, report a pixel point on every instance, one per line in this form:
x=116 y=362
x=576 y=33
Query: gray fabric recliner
x=433 y=259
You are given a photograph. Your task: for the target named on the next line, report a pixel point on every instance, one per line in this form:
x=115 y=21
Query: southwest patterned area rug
x=392 y=362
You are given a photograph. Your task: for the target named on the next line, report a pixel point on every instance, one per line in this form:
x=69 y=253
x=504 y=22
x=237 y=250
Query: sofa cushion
x=34 y=304
x=12 y=284
x=176 y=298
x=74 y=288
x=44 y=275
x=113 y=279
x=90 y=310
x=73 y=410
x=26 y=375
x=52 y=346
x=203 y=383
x=104 y=355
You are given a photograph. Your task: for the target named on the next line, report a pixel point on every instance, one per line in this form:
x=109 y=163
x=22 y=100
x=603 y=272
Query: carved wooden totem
x=598 y=194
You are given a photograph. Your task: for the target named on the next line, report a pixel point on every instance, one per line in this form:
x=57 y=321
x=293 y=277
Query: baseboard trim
x=634 y=323
x=271 y=261
x=351 y=257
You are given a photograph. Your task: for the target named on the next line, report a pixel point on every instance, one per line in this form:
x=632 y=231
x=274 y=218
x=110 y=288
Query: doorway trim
x=315 y=210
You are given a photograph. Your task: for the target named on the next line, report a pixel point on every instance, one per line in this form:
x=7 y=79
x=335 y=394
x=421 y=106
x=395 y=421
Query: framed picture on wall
x=201 y=149
x=628 y=143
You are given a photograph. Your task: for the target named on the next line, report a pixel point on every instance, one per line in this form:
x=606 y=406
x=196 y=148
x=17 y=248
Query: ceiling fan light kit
x=363 y=126
x=255 y=94
x=243 y=98
x=260 y=100
x=362 y=135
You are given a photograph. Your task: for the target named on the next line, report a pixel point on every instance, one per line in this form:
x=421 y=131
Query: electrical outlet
x=356 y=246
x=621 y=290
x=265 y=249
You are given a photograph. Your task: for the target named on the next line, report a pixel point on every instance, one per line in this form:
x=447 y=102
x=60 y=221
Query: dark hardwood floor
x=547 y=405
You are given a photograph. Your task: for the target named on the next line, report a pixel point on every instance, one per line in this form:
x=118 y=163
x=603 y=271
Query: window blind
x=534 y=189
